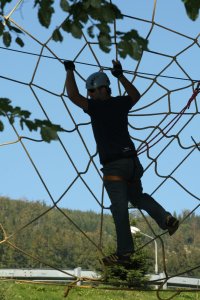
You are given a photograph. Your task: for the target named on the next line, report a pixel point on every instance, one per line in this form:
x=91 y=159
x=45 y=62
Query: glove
x=117 y=69
x=69 y=65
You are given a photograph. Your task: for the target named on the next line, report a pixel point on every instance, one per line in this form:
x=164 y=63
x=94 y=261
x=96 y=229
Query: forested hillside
x=56 y=241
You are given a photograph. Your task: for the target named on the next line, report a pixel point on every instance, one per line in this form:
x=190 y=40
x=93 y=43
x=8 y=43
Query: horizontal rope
x=104 y=67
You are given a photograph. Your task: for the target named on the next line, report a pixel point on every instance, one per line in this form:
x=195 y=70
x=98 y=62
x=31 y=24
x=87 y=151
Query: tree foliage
x=54 y=240
x=47 y=130
x=94 y=16
x=134 y=275
x=192 y=8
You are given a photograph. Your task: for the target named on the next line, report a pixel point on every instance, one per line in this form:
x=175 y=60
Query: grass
x=17 y=291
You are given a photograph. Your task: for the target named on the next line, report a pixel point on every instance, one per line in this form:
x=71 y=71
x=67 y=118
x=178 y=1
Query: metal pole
x=156 y=251
x=135 y=230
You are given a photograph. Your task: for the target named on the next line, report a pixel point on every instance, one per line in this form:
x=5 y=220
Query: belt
x=116 y=178
x=113 y=177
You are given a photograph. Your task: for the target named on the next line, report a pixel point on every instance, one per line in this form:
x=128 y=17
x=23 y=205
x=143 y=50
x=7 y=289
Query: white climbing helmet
x=96 y=80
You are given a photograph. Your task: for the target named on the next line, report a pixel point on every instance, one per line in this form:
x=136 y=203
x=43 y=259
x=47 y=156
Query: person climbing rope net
x=122 y=170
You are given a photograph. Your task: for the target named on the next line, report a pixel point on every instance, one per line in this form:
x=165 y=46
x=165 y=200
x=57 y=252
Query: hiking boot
x=117 y=259
x=172 y=224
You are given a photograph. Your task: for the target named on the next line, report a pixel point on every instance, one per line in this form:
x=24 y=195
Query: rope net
x=162 y=123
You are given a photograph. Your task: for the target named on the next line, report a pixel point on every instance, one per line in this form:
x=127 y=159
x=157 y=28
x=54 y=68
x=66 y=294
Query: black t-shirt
x=109 y=120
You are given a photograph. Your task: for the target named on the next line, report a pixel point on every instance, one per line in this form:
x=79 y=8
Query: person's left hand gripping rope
x=117 y=69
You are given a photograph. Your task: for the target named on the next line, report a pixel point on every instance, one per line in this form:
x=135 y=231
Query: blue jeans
x=122 y=192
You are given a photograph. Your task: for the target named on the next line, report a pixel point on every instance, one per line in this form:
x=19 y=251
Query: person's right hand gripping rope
x=69 y=65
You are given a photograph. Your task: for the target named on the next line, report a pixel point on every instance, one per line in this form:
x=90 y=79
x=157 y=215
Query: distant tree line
x=56 y=241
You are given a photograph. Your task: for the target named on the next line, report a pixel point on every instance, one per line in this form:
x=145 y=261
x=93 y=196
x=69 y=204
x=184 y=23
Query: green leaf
x=3 y=3
x=133 y=49
x=95 y=3
x=107 y=12
x=103 y=28
x=1 y=28
x=125 y=48
x=66 y=26
x=25 y=113
x=192 y=8
x=76 y=9
x=131 y=44
x=132 y=34
x=86 y=4
x=21 y=122
x=110 y=12
x=1 y=126
x=45 y=12
x=137 y=51
x=29 y=124
x=48 y=130
x=76 y=30
x=7 y=38
x=57 y=36
x=5 y=106
x=143 y=43
x=83 y=16
x=48 y=134
x=16 y=110
x=96 y=14
x=118 y=33
x=11 y=119
x=64 y=5
x=90 y=31
x=19 y=42
x=15 y=29
x=104 y=42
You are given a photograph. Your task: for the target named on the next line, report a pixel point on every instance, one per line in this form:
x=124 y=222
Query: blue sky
x=172 y=33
